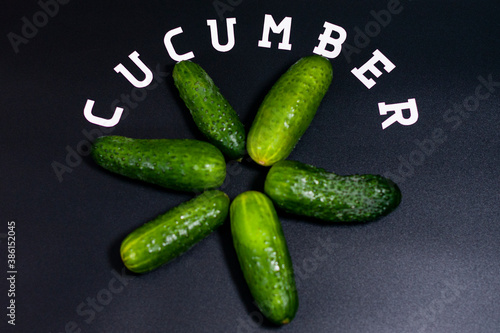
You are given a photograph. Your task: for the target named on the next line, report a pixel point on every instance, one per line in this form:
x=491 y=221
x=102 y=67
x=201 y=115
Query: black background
x=431 y=266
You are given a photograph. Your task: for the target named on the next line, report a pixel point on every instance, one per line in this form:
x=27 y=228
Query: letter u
x=134 y=56
x=230 y=22
x=87 y=112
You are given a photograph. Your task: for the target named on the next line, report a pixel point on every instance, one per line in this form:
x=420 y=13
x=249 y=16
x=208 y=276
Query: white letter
x=370 y=66
x=230 y=22
x=87 y=112
x=326 y=39
x=134 y=56
x=269 y=23
x=398 y=113
x=170 y=48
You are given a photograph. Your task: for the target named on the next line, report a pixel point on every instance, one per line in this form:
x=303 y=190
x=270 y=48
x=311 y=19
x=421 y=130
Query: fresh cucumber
x=288 y=109
x=178 y=164
x=211 y=112
x=263 y=255
x=310 y=191
x=173 y=233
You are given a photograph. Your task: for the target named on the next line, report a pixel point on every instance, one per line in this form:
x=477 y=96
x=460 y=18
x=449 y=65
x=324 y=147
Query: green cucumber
x=178 y=164
x=263 y=256
x=288 y=109
x=174 y=232
x=211 y=112
x=306 y=190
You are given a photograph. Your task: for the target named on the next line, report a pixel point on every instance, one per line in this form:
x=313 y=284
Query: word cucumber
x=329 y=46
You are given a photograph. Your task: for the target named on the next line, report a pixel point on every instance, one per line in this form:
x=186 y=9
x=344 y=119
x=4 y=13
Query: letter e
x=370 y=66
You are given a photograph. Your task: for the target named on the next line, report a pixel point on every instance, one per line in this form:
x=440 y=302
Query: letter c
x=167 y=40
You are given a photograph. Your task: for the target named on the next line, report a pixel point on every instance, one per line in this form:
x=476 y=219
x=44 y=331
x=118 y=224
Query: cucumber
x=174 y=232
x=263 y=256
x=306 y=190
x=211 y=112
x=178 y=164
x=288 y=109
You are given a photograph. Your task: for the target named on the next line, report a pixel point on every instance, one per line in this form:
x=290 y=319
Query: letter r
x=398 y=113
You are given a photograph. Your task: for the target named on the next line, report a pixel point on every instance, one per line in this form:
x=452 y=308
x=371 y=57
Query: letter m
x=270 y=24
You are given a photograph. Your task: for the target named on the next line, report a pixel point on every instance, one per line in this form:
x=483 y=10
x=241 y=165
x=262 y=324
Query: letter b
x=326 y=39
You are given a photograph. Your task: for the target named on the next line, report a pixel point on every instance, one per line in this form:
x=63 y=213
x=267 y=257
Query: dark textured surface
x=430 y=266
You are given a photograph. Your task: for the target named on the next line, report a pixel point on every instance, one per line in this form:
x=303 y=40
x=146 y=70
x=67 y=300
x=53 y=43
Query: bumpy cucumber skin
x=178 y=164
x=174 y=232
x=288 y=109
x=211 y=112
x=306 y=190
x=263 y=256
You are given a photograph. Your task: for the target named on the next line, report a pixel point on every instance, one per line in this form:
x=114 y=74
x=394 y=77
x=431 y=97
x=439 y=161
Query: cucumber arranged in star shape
x=197 y=166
